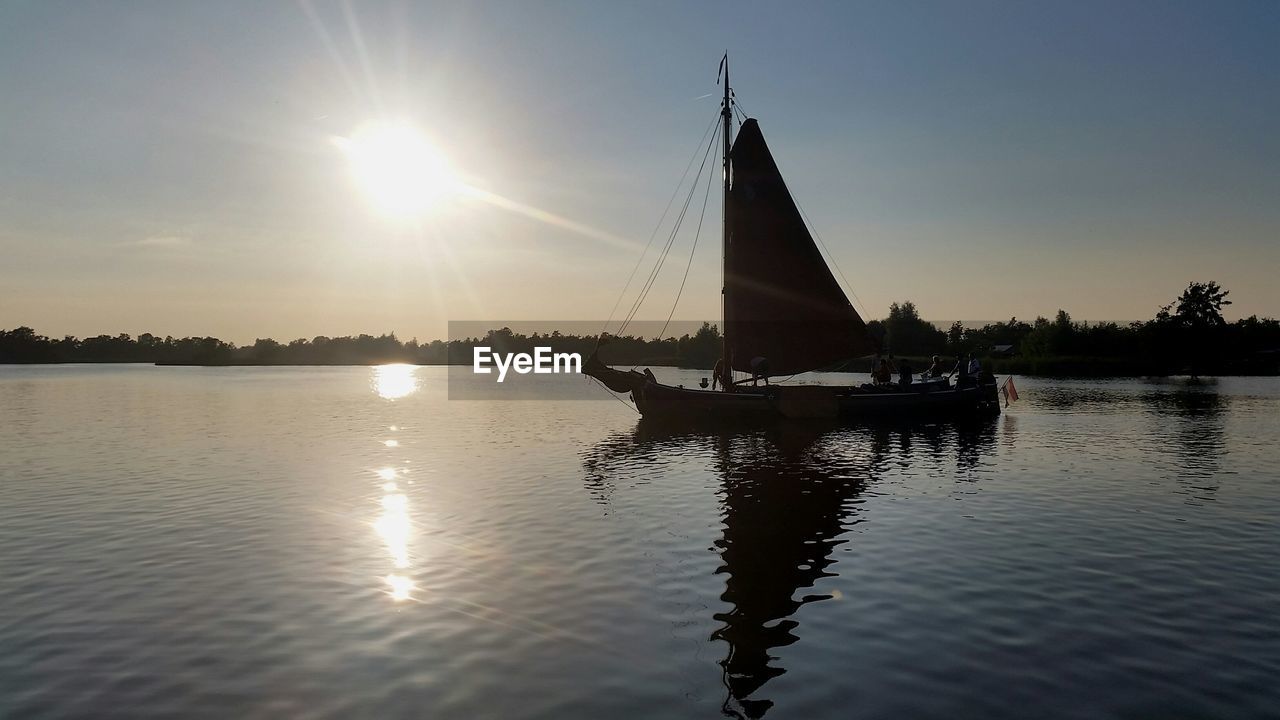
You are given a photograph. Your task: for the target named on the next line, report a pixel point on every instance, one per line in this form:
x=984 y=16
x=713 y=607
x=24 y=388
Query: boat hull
x=929 y=400
x=664 y=401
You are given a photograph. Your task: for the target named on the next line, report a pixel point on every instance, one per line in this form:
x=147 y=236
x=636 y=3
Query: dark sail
x=781 y=301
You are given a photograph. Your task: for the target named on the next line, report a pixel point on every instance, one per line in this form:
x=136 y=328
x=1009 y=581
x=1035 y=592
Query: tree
x=955 y=338
x=905 y=311
x=265 y=350
x=1196 y=328
x=909 y=334
x=1199 y=306
x=702 y=349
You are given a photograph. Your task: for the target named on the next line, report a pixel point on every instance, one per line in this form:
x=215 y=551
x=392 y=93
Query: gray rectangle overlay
x=543 y=359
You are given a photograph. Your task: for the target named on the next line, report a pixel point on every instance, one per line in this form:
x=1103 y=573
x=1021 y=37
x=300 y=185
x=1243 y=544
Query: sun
x=403 y=174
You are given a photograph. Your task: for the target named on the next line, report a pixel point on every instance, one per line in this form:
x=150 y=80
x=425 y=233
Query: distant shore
x=1057 y=367
x=1187 y=337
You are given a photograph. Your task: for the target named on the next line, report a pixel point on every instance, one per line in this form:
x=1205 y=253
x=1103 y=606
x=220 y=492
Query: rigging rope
x=615 y=397
x=653 y=235
x=697 y=234
x=653 y=275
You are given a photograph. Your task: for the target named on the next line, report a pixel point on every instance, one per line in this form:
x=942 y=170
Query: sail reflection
x=789 y=496
x=785 y=510
x=393 y=382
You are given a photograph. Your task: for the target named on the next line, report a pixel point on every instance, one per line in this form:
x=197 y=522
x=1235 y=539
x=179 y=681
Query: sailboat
x=784 y=314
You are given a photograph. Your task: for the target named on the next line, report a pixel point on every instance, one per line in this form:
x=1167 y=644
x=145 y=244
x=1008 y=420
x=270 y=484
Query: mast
x=726 y=114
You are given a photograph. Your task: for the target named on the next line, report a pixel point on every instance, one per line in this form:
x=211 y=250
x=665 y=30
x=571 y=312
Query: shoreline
x=1051 y=367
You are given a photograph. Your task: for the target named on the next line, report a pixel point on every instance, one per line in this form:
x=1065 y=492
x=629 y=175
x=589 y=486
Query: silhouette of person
x=935 y=370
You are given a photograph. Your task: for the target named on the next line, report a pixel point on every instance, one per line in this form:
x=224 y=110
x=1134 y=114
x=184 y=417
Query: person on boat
x=719 y=376
x=961 y=370
x=935 y=370
x=882 y=372
x=759 y=370
x=904 y=373
x=975 y=367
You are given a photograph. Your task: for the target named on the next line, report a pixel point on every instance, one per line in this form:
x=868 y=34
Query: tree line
x=1187 y=336
x=25 y=345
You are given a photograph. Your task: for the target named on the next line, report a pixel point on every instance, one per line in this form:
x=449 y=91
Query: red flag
x=1013 y=391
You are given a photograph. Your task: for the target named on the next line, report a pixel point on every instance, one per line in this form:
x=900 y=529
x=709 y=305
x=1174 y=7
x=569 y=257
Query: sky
x=178 y=167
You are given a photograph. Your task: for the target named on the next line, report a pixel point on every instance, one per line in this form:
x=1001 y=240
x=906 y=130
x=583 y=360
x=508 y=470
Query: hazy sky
x=171 y=167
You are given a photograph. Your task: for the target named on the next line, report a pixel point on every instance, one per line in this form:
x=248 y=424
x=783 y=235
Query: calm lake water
x=346 y=542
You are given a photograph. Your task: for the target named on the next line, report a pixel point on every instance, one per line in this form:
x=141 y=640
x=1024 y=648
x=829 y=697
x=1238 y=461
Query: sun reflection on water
x=401 y=587
x=393 y=524
x=393 y=382
x=394 y=527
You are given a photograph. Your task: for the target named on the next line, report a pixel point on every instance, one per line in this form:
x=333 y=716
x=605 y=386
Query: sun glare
x=398 y=168
x=394 y=381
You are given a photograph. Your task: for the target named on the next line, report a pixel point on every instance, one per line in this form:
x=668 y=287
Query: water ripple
x=184 y=541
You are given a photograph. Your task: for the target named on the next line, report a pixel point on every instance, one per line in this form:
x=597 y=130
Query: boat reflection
x=787 y=500
x=789 y=496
